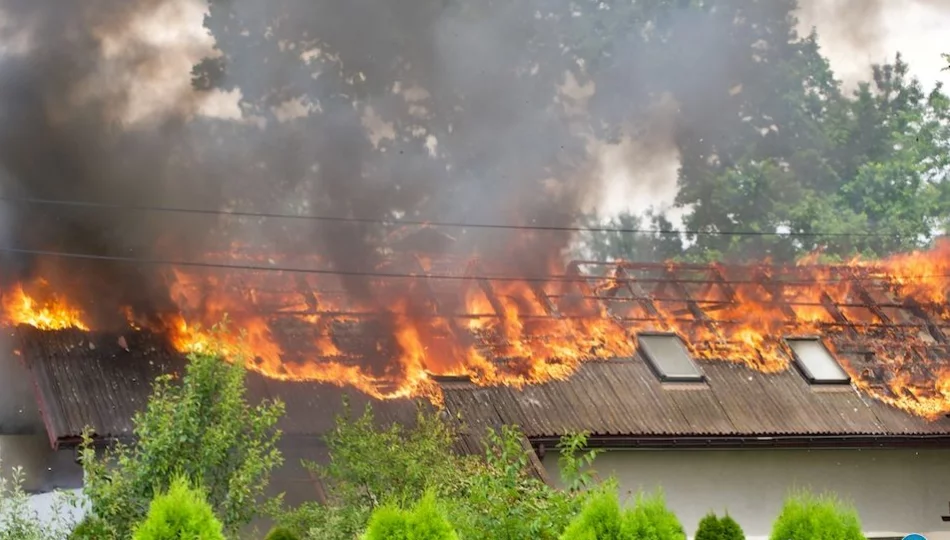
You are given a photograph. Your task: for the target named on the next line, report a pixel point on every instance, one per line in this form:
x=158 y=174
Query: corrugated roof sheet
x=624 y=398
x=89 y=379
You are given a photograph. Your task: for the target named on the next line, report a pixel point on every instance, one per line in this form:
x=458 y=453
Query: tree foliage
x=281 y=533
x=495 y=495
x=180 y=513
x=425 y=521
x=712 y=527
x=807 y=516
x=767 y=138
x=201 y=427
x=602 y=518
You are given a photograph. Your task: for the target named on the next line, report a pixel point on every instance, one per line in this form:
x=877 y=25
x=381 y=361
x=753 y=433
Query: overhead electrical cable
x=552 y=278
x=445 y=224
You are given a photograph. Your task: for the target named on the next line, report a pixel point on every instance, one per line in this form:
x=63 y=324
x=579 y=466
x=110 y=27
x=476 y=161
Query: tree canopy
x=485 y=112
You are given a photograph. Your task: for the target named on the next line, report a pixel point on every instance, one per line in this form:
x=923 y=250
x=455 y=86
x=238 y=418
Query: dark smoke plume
x=62 y=136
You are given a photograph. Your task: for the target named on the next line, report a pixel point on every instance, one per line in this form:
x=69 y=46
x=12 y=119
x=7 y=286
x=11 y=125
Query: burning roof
x=884 y=323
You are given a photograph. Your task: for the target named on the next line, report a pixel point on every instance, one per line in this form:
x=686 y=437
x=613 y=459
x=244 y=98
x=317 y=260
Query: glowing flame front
x=514 y=332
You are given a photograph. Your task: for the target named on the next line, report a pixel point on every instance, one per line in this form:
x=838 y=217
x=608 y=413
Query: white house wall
x=895 y=491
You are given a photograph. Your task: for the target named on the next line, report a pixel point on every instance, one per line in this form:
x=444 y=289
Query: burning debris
x=885 y=320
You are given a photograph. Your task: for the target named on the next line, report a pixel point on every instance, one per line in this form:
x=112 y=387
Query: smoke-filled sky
x=852 y=33
x=55 y=106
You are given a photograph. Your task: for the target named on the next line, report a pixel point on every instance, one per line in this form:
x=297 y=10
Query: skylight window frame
x=656 y=367
x=806 y=373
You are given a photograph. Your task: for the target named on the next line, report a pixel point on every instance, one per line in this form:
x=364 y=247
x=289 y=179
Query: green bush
x=709 y=528
x=730 y=529
x=181 y=513
x=424 y=522
x=200 y=425
x=495 y=495
x=92 y=528
x=809 y=517
x=388 y=523
x=712 y=527
x=650 y=519
x=281 y=533
x=603 y=519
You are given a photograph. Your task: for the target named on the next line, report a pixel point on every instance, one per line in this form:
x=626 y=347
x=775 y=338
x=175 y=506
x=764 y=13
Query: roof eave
x=697 y=442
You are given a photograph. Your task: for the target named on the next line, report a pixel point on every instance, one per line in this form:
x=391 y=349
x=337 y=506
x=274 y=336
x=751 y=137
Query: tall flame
x=517 y=332
x=51 y=313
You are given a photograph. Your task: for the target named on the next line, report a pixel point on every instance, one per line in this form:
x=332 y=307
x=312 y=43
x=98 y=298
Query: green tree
x=712 y=527
x=809 y=517
x=182 y=512
x=201 y=427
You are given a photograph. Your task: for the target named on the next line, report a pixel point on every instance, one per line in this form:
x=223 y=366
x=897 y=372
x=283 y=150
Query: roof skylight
x=816 y=362
x=668 y=357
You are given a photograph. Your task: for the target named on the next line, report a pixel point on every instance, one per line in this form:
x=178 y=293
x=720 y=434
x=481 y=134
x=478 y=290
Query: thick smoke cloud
x=478 y=130
x=489 y=144
x=63 y=100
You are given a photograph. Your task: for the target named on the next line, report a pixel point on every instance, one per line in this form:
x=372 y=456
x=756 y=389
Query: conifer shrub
x=731 y=529
x=388 y=523
x=281 y=533
x=713 y=527
x=426 y=521
x=806 y=516
x=710 y=528
x=182 y=512
x=650 y=519
x=602 y=518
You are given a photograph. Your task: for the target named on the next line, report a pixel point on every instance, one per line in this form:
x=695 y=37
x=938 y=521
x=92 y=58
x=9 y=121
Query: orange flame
x=512 y=332
x=52 y=313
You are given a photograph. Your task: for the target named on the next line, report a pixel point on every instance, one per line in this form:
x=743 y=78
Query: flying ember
x=499 y=329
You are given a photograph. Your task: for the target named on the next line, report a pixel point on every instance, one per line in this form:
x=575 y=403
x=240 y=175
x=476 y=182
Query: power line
x=552 y=278
x=446 y=224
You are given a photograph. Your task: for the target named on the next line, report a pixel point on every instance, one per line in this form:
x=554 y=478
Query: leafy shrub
x=18 y=521
x=490 y=496
x=809 y=517
x=712 y=527
x=180 y=513
x=281 y=533
x=425 y=522
x=202 y=428
x=503 y=499
x=603 y=519
x=92 y=528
